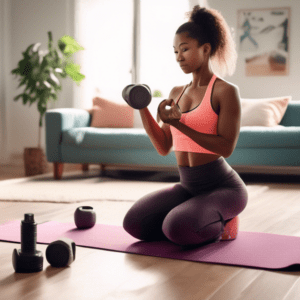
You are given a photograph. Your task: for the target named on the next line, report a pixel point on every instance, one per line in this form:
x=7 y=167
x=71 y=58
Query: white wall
x=29 y=22
x=4 y=83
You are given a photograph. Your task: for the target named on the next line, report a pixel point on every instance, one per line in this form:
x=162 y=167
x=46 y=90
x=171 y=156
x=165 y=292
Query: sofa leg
x=85 y=167
x=58 y=170
x=102 y=168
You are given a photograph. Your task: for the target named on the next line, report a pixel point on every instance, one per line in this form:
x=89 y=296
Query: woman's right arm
x=159 y=133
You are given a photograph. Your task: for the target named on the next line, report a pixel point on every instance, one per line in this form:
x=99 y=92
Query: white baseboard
x=276 y=170
x=17 y=159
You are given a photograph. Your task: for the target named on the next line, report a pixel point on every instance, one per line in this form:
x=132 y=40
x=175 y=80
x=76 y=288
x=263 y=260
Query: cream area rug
x=78 y=186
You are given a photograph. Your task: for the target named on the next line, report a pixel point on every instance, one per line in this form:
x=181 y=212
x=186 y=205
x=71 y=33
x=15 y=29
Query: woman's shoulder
x=226 y=92
x=223 y=85
x=175 y=92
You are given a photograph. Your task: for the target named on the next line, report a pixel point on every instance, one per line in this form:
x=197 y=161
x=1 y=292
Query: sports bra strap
x=184 y=88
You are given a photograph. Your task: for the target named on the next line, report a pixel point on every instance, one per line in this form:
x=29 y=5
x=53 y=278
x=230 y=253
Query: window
x=159 y=22
x=105 y=29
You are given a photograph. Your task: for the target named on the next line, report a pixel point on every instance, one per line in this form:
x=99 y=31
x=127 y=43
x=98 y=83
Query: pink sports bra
x=201 y=118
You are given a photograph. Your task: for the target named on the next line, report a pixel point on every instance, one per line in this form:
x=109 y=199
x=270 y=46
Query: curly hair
x=209 y=26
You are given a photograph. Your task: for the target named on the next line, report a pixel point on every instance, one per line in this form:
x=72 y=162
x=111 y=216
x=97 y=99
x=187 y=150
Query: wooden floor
x=98 y=274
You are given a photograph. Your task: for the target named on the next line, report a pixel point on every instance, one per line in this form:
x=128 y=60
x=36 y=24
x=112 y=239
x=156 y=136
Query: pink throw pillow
x=109 y=114
x=263 y=112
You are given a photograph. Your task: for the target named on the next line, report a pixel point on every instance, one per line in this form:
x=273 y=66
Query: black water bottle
x=28 y=259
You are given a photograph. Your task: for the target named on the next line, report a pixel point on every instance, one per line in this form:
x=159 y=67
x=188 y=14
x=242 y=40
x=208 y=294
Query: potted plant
x=39 y=71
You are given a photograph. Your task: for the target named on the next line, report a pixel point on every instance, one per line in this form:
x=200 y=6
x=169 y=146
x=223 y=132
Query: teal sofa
x=70 y=139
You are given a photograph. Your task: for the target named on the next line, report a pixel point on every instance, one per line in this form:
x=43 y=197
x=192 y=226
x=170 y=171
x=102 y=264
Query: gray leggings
x=192 y=212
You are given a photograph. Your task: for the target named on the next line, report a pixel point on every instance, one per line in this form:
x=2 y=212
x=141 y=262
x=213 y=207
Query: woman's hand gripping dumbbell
x=138 y=96
x=168 y=111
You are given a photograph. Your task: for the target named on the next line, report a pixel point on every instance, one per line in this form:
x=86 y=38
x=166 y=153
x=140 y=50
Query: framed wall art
x=264 y=40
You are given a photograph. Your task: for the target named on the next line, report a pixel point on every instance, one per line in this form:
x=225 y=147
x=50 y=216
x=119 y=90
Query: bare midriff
x=190 y=159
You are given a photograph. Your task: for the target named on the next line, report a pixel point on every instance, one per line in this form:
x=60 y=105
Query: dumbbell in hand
x=137 y=96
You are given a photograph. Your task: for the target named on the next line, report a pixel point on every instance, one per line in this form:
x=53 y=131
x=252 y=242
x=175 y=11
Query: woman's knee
x=133 y=221
x=144 y=219
x=184 y=227
x=128 y=221
x=147 y=227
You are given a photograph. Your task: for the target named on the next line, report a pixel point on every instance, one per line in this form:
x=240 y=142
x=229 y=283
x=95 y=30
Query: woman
x=203 y=125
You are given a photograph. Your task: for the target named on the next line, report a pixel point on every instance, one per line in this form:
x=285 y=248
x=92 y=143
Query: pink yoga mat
x=250 y=249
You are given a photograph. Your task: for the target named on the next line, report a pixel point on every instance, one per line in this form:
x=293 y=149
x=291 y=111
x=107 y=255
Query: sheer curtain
x=105 y=29
x=159 y=22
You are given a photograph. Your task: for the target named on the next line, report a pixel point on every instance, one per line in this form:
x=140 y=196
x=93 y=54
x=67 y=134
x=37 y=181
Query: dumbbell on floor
x=61 y=253
x=137 y=96
x=28 y=259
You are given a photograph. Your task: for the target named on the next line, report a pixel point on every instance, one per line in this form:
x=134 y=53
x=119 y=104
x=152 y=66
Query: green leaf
x=22 y=82
x=16 y=71
x=28 y=50
x=18 y=97
x=54 y=96
x=69 y=45
x=157 y=93
x=50 y=40
x=26 y=98
x=32 y=100
x=73 y=71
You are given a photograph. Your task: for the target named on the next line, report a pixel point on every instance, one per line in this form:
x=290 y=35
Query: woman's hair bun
x=202 y=17
x=208 y=25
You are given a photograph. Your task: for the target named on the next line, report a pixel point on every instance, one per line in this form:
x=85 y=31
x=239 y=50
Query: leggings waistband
x=211 y=172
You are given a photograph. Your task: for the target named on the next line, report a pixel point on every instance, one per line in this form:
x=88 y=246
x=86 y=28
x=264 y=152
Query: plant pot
x=35 y=161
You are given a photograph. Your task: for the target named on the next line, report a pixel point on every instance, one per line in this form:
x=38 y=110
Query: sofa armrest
x=291 y=116
x=59 y=120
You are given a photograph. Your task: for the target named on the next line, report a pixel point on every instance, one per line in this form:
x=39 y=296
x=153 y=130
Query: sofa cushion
x=269 y=137
x=121 y=138
x=108 y=114
x=263 y=112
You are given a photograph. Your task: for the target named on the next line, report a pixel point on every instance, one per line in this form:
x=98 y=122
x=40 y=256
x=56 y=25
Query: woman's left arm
x=228 y=124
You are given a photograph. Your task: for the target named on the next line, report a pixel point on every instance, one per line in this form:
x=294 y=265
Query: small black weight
x=61 y=253
x=85 y=217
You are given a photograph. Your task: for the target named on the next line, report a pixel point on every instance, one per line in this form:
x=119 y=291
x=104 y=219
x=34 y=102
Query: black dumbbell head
x=27 y=263
x=137 y=96
x=61 y=253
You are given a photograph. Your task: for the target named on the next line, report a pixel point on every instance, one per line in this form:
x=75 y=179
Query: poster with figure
x=263 y=40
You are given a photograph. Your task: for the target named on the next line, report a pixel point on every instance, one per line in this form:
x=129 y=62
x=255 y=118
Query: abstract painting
x=264 y=40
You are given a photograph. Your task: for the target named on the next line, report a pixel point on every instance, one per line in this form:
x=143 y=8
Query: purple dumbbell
x=85 y=217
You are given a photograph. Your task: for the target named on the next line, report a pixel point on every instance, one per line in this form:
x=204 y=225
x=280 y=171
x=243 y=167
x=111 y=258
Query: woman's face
x=188 y=53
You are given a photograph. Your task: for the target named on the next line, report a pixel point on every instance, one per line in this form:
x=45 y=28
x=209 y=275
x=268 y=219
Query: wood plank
x=269 y=286
x=99 y=274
